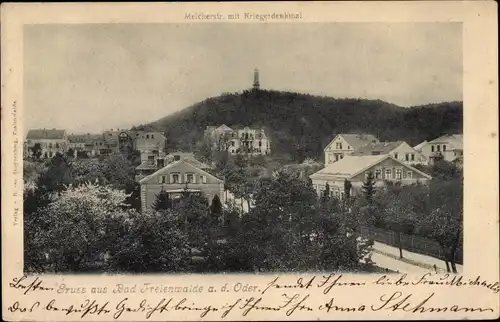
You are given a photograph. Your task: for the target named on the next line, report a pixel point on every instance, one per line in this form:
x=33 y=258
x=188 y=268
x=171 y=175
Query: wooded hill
x=301 y=125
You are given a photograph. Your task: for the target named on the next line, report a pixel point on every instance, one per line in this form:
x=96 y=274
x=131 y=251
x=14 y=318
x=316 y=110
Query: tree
x=326 y=194
x=162 y=201
x=71 y=233
x=399 y=214
x=216 y=207
x=36 y=151
x=70 y=153
x=444 y=223
x=57 y=176
x=149 y=242
x=369 y=187
x=347 y=189
x=118 y=171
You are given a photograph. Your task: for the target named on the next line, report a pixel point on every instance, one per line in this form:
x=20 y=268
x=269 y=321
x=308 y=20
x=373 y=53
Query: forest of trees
x=301 y=125
x=81 y=218
x=84 y=216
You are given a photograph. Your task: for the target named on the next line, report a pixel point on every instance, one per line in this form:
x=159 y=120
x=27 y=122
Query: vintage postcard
x=250 y=161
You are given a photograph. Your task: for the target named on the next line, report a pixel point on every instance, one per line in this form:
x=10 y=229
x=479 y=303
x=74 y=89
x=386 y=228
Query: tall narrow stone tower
x=256 y=84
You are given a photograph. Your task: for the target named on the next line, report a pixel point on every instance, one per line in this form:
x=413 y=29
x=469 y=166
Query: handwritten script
x=311 y=294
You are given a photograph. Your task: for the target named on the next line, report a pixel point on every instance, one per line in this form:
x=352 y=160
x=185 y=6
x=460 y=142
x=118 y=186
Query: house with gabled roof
x=50 y=142
x=355 y=169
x=180 y=177
x=397 y=149
x=447 y=147
x=344 y=144
x=155 y=161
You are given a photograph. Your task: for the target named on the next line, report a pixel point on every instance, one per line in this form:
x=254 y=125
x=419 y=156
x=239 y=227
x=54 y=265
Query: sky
x=91 y=77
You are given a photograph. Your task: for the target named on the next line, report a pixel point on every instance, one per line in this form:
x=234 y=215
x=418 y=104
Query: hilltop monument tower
x=256 y=84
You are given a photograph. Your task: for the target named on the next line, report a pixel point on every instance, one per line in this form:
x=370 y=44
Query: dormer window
x=177 y=157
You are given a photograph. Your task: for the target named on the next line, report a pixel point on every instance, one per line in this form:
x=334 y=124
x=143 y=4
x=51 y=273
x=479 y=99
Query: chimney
x=256 y=84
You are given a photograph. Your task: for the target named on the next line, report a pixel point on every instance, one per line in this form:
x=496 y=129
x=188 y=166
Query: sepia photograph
x=243 y=148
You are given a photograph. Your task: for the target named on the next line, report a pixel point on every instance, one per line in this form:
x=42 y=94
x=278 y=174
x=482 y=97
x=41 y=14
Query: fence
x=410 y=243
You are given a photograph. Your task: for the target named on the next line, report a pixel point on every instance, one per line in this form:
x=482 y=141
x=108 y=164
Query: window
x=190 y=178
x=444 y=147
x=409 y=174
x=407 y=157
x=260 y=144
x=50 y=145
x=438 y=148
x=395 y=155
x=232 y=143
x=147 y=136
x=413 y=156
x=163 y=179
x=399 y=173
x=177 y=157
x=50 y=154
x=388 y=174
x=339 y=146
x=432 y=148
x=57 y=145
x=378 y=174
x=152 y=136
x=175 y=178
x=203 y=179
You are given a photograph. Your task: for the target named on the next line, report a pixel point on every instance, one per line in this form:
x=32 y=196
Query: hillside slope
x=300 y=125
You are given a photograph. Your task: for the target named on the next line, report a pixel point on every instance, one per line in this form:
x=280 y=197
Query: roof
x=378 y=148
x=172 y=165
x=355 y=140
x=420 y=146
x=46 y=134
x=146 y=165
x=83 y=138
x=224 y=127
x=455 y=140
x=188 y=157
x=351 y=166
x=358 y=140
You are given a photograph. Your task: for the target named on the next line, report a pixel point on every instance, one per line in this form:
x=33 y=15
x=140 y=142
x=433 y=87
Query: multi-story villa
x=447 y=147
x=47 y=142
x=345 y=144
x=244 y=140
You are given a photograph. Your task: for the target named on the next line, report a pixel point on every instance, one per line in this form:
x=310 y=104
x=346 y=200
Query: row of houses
x=246 y=140
x=352 y=157
x=52 y=141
